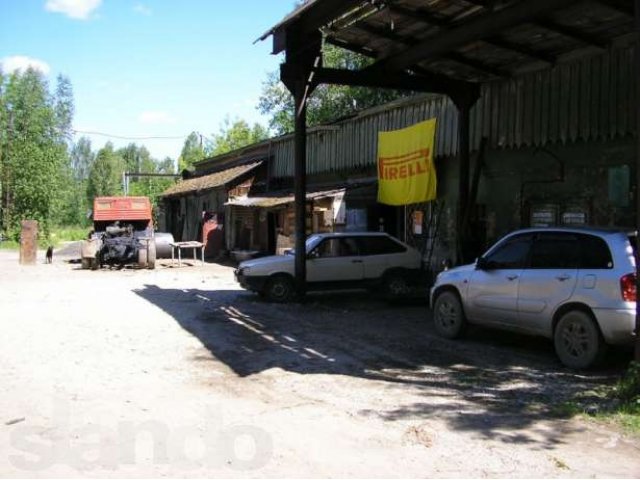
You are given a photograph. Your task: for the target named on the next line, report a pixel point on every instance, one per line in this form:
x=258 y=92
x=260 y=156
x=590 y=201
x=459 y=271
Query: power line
x=121 y=137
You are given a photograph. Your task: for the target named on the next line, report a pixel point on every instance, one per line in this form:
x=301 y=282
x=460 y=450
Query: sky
x=147 y=68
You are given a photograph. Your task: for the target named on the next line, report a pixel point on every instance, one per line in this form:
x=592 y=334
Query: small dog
x=49 y=255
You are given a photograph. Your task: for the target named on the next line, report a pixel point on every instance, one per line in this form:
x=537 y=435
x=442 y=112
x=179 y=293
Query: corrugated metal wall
x=590 y=99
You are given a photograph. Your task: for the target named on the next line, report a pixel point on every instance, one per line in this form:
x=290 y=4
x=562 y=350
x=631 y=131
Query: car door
x=548 y=280
x=335 y=260
x=493 y=287
x=379 y=253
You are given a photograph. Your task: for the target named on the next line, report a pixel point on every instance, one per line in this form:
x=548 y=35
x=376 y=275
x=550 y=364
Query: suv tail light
x=628 y=287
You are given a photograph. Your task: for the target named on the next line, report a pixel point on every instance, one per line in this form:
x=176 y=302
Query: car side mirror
x=482 y=264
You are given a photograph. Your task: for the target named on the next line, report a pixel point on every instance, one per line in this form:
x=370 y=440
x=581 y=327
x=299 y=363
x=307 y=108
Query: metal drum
x=163 y=249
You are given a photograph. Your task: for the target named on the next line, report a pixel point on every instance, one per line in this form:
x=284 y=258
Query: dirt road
x=177 y=372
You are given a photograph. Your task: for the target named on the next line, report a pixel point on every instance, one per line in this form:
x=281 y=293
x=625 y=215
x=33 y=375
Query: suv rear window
x=595 y=253
x=570 y=250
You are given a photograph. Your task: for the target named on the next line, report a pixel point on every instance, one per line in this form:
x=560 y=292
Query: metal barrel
x=163 y=249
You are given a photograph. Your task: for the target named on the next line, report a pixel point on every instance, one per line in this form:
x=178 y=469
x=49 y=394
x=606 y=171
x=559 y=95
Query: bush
x=628 y=387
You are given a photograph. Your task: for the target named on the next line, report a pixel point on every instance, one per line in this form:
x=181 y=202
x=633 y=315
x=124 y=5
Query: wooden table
x=178 y=246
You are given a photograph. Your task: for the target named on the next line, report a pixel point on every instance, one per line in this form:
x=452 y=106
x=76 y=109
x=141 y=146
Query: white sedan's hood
x=270 y=264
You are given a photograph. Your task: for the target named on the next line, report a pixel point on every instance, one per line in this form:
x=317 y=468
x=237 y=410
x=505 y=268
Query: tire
x=85 y=263
x=395 y=286
x=142 y=257
x=151 y=255
x=448 y=316
x=95 y=263
x=577 y=340
x=279 y=289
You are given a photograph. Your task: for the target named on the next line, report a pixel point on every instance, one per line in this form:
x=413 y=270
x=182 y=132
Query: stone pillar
x=28 y=242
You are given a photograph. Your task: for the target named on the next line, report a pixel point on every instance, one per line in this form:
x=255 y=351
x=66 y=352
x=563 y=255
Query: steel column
x=300 y=186
x=463 y=185
x=637 y=189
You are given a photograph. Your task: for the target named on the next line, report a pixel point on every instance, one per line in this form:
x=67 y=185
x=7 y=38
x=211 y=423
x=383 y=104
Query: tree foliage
x=328 y=102
x=34 y=129
x=235 y=135
x=192 y=151
x=105 y=175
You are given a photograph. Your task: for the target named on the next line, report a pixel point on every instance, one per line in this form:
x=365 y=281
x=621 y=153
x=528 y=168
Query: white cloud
x=78 y=9
x=20 y=62
x=142 y=9
x=152 y=117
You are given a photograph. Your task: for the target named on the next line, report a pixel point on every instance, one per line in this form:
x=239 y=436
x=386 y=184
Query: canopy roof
x=467 y=40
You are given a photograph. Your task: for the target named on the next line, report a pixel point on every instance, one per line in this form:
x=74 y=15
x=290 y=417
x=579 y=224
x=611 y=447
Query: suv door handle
x=512 y=277
x=563 y=277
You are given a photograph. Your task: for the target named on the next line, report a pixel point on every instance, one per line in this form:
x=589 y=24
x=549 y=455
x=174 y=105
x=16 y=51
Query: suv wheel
x=279 y=289
x=448 y=316
x=577 y=340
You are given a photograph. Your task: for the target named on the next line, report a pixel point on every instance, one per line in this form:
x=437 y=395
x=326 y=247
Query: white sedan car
x=336 y=261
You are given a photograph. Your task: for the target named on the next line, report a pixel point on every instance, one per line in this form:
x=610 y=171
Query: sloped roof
x=274 y=201
x=207 y=182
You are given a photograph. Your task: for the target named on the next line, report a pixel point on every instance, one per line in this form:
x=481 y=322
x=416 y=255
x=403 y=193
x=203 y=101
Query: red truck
x=122 y=233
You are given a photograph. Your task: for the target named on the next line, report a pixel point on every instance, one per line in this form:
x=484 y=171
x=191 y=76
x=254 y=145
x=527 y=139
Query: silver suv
x=334 y=261
x=576 y=286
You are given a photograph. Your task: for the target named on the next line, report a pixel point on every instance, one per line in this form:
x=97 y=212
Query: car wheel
x=577 y=340
x=396 y=286
x=279 y=289
x=448 y=316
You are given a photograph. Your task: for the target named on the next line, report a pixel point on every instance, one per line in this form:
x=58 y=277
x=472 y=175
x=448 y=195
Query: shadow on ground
x=492 y=383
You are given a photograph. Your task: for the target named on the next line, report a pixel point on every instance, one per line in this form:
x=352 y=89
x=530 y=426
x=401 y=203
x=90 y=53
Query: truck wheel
x=151 y=255
x=142 y=257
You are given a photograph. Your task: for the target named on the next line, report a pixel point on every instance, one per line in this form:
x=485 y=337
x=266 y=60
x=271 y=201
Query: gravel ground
x=176 y=372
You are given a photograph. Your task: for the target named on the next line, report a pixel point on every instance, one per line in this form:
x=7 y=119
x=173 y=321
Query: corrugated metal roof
x=274 y=201
x=589 y=99
x=207 y=182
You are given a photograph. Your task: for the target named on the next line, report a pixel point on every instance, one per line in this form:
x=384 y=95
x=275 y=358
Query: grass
x=618 y=403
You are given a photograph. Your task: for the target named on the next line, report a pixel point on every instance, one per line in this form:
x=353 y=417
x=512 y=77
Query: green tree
x=192 y=151
x=82 y=158
x=236 y=134
x=34 y=129
x=105 y=175
x=328 y=102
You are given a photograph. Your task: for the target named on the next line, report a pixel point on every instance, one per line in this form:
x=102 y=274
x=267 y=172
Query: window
x=595 y=253
x=510 y=254
x=336 y=247
x=555 y=250
x=380 y=245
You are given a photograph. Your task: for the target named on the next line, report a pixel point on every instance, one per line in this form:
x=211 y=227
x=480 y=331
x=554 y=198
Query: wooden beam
x=453 y=56
x=620 y=6
x=422 y=82
x=310 y=19
x=478 y=28
x=521 y=49
x=571 y=32
x=431 y=19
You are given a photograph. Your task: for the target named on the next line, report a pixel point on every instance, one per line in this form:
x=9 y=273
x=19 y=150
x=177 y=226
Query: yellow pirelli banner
x=405 y=164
